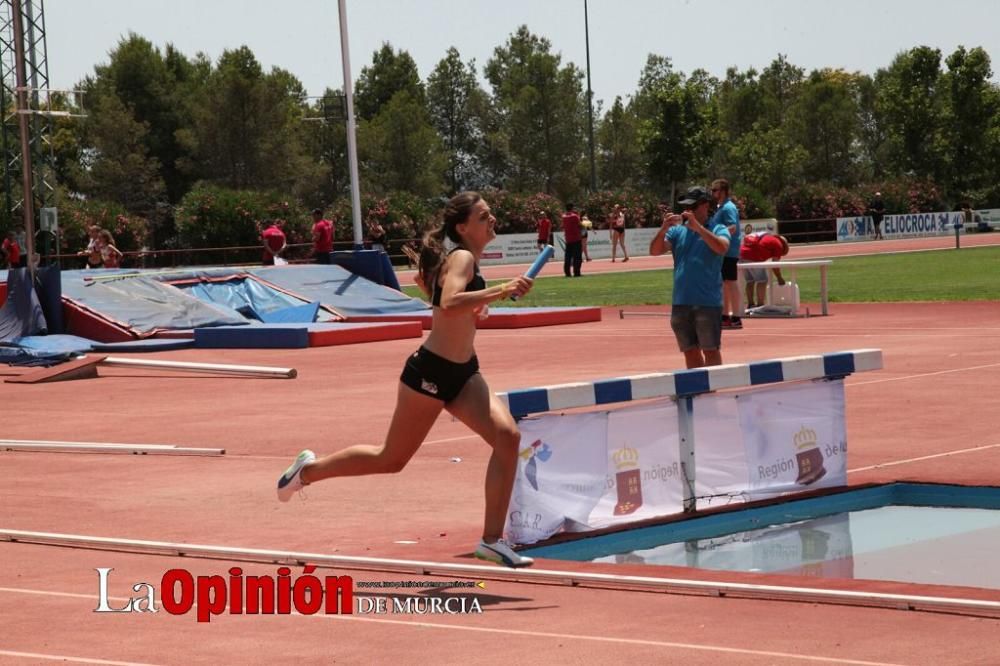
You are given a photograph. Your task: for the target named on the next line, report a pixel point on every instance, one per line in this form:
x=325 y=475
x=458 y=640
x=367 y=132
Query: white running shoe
x=500 y=552
x=291 y=481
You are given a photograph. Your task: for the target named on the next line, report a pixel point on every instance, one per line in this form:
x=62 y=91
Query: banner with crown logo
x=794 y=438
x=643 y=470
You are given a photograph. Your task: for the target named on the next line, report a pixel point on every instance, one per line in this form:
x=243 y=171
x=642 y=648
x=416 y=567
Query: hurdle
x=684 y=386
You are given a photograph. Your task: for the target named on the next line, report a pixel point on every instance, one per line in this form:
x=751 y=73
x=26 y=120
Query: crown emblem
x=805 y=438
x=626 y=457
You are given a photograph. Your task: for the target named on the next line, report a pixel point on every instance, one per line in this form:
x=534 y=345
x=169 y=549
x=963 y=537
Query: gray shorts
x=697 y=327
x=755 y=274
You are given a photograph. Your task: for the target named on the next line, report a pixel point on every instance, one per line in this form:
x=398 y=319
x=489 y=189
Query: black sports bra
x=475 y=284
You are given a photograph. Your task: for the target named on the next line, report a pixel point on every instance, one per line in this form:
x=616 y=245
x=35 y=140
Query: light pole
x=590 y=99
x=352 y=142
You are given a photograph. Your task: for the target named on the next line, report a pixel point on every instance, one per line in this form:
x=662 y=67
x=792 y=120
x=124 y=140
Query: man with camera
x=698 y=246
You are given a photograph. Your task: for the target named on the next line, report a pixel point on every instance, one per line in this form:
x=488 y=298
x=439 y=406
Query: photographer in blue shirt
x=698 y=245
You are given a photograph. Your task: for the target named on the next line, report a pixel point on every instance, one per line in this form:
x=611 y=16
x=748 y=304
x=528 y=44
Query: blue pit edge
x=705 y=527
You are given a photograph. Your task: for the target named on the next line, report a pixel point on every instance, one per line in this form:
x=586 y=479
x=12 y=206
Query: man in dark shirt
x=877 y=210
x=574 y=241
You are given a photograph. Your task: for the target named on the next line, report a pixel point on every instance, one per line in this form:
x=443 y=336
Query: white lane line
x=893 y=463
x=75 y=660
x=513 y=632
x=925 y=374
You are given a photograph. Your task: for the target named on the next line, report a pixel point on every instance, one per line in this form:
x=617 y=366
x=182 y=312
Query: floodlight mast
x=352 y=144
x=22 y=106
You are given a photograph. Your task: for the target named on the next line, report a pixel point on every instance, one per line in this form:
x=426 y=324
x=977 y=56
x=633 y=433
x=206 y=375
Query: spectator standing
x=728 y=215
x=274 y=243
x=756 y=247
x=696 y=314
x=586 y=226
x=376 y=236
x=11 y=250
x=877 y=211
x=111 y=256
x=544 y=230
x=93 y=250
x=574 y=242
x=616 y=223
x=322 y=237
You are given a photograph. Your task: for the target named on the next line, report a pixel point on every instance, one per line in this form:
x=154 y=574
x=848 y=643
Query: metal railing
x=234 y=255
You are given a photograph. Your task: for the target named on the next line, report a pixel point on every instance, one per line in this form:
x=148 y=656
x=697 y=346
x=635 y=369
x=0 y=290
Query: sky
x=302 y=36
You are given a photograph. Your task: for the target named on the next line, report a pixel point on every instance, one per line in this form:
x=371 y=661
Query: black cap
x=695 y=196
x=317 y=211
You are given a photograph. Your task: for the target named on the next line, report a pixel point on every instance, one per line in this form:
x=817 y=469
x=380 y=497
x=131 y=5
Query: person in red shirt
x=11 y=250
x=322 y=237
x=761 y=246
x=574 y=241
x=544 y=230
x=274 y=243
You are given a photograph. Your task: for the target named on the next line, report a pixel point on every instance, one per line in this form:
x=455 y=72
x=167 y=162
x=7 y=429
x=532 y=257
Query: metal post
x=685 y=426
x=21 y=108
x=352 y=144
x=590 y=99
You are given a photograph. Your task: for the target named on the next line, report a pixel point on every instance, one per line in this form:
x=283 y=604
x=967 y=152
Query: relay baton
x=536 y=267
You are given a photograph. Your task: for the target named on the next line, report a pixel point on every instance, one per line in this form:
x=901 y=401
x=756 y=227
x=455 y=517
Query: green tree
x=619 y=160
x=872 y=131
x=909 y=97
x=675 y=117
x=740 y=102
x=391 y=72
x=971 y=118
x=767 y=159
x=325 y=141
x=400 y=150
x=543 y=109
x=824 y=121
x=455 y=102
x=150 y=85
x=248 y=130
x=779 y=86
x=117 y=166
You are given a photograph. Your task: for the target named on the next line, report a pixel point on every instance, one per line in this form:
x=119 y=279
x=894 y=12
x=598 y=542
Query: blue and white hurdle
x=684 y=385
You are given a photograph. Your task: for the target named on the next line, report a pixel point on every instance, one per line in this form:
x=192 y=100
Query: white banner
x=584 y=471
x=599 y=243
x=561 y=474
x=643 y=470
x=763 y=224
x=511 y=249
x=523 y=248
x=990 y=216
x=910 y=225
x=794 y=438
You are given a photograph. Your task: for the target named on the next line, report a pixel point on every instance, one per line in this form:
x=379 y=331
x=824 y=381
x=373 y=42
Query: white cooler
x=786 y=295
